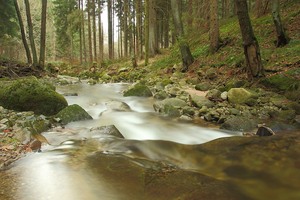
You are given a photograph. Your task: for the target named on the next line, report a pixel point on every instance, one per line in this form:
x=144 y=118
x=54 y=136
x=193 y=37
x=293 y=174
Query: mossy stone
x=73 y=113
x=139 y=90
x=30 y=94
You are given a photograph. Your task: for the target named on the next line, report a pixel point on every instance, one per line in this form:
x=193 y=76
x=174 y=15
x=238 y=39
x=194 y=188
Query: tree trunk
x=94 y=29
x=214 y=27
x=187 y=58
x=31 y=37
x=251 y=47
x=80 y=34
x=27 y=50
x=138 y=28
x=90 y=30
x=100 y=31
x=146 y=32
x=153 y=48
x=125 y=25
x=282 y=39
x=43 y=34
x=110 y=32
x=83 y=33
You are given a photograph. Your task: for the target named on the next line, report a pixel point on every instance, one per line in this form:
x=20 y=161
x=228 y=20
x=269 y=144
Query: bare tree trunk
x=94 y=29
x=138 y=28
x=214 y=27
x=146 y=32
x=43 y=34
x=187 y=58
x=125 y=23
x=282 y=39
x=251 y=47
x=83 y=33
x=27 y=50
x=31 y=37
x=110 y=33
x=90 y=31
x=153 y=49
x=100 y=31
x=80 y=34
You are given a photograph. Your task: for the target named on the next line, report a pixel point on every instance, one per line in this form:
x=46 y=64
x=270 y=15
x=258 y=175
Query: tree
x=63 y=19
x=31 y=36
x=282 y=39
x=187 y=58
x=214 y=27
x=110 y=29
x=89 y=30
x=43 y=34
x=153 y=48
x=251 y=47
x=8 y=18
x=23 y=35
x=94 y=29
x=146 y=32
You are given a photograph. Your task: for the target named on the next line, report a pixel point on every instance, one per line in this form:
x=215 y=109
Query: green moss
x=29 y=94
x=138 y=89
x=73 y=113
x=285 y=81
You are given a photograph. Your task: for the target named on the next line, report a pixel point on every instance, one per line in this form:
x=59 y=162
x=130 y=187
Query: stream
x=82 y=164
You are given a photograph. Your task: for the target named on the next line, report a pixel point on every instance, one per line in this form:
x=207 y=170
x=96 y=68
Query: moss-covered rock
x=240 y=96
x=200 y=101
x=73 y=113
x=283 y=81
x=139 y=90
x=238 y=123
x=30 y=94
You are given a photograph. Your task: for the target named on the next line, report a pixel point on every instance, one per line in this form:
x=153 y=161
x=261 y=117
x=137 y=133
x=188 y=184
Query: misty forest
x=149 y=99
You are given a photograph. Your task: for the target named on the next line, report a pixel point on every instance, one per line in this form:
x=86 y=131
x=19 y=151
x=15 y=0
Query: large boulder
x=139 y=90
x=240 y=96
x=30 y=94
x=200 y=101
x=73 y=113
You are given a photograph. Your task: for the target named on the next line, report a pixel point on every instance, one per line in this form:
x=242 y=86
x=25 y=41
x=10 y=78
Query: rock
x=109 y=130
x=200 y=101
x=170 y=106
x=238 y=123
x=211 y=73
x=234 y=84
x=240 y=96
x=203 y=86
x=214 y=95
x=286 y=115
x=189 y=111
x=285 y=81
x=203 y=110
x=30 y=94
x=161 y=95
x=264 y=131
x=138 y=89
x=224 y=95
x=118 y=106
x=70 y=94
x=73 y=113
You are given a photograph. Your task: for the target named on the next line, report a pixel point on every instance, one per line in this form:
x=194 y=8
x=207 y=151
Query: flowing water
x=82 y=165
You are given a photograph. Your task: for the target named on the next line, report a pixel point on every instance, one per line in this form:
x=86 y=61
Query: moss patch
x=30 y=94
x=73 y=113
